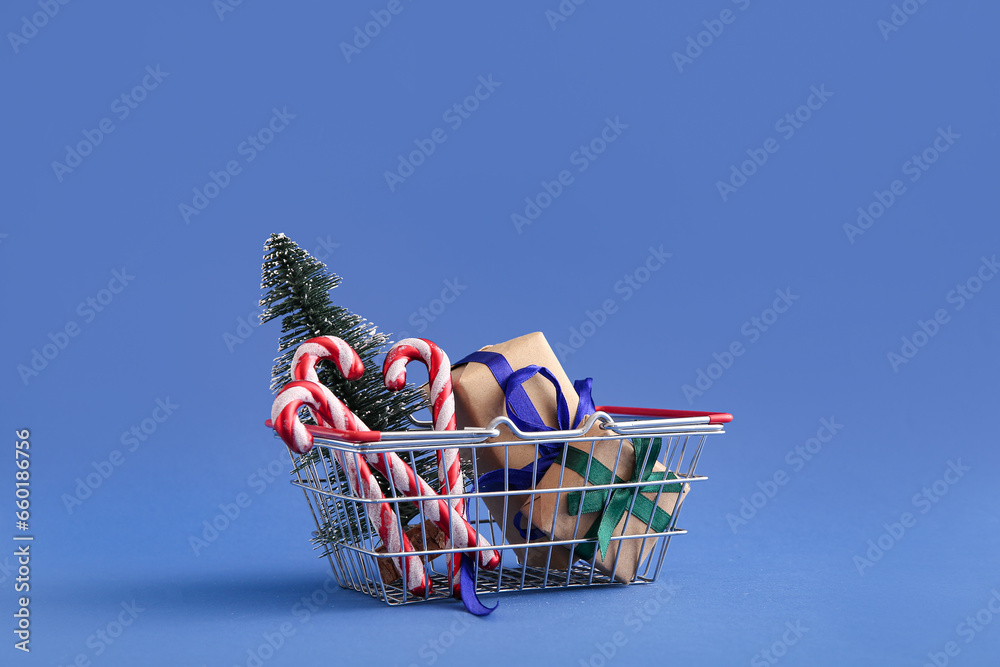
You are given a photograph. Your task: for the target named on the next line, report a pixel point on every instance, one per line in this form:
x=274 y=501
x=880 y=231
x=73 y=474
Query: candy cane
x=403 y=477
x=284 y=417
x=443 y=411
x=439 y=367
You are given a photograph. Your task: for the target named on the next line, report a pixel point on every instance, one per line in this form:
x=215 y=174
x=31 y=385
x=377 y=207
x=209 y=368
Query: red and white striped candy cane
x=319 y=400
x=443 y=410
x=438 y=365
x=404 y=479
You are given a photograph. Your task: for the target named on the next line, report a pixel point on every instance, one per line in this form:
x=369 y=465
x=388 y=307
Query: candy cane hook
x=326 y=347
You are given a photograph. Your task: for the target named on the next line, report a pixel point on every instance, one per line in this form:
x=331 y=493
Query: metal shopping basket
x=360 y=561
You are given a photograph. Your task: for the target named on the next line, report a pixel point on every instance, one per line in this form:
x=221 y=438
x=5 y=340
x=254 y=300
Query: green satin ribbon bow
x=643 y=508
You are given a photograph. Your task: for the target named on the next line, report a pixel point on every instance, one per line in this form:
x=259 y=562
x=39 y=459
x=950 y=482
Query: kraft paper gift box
x=597 y=523
x=479 y=399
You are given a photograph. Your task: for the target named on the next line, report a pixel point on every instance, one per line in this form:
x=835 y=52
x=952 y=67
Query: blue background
x=169 y=333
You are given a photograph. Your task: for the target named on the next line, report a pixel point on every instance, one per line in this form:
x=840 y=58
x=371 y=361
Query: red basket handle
x=714 y=417
x=337 y=434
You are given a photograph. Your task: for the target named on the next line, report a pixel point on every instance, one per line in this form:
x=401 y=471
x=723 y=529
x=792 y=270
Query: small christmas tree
x=297 y=290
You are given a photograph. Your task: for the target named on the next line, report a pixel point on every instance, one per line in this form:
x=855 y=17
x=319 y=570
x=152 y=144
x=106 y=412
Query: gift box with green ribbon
x=639 y=499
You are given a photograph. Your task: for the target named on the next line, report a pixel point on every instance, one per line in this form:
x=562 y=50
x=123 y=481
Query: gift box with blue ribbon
x=522 y=380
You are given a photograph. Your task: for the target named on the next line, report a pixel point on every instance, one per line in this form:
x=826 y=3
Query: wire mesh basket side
x=360 y=561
